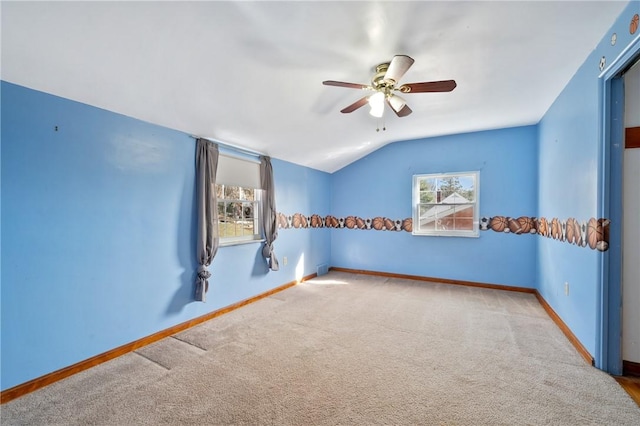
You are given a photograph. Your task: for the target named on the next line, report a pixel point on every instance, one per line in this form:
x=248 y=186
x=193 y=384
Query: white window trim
x=243 y=172
x=474 y=233
x=226 y=242
x=247 y=239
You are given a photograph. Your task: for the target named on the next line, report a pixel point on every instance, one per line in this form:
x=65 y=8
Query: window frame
x=416 y=204
x=257 y=235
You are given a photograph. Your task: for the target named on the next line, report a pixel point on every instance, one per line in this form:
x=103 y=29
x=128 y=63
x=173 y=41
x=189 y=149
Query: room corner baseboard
x=631 y=368
x=40 y=382
x=436 y=280
x=566 y=330
x=548 y=309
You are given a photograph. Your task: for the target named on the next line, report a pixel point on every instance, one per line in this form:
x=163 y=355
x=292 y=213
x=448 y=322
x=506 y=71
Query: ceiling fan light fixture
x=397 y=103
x=376 y=101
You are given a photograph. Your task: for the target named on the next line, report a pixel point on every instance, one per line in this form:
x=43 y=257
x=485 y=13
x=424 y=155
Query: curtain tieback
x=267 y=250
x=202 y=283
x=203 y=274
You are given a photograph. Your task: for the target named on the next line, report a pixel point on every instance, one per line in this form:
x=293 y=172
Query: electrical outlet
x=284 y=261
x=566 y=288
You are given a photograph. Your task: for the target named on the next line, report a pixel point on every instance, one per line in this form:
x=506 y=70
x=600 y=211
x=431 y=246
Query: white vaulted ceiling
x=250 y=73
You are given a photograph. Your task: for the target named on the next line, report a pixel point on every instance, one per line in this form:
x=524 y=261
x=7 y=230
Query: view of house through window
x=446 y=204
x=237 y=213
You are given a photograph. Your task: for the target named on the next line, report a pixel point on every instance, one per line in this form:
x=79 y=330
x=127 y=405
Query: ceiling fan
x=385 y=82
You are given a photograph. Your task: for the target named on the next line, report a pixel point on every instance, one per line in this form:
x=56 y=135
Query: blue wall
x=98 y=244
x=98 y=220
x=570 y=169
x=380 y=185
x=307 y=191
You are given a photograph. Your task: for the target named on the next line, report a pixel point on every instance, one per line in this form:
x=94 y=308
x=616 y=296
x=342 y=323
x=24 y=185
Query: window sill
x=446 y=234
x=239 y=242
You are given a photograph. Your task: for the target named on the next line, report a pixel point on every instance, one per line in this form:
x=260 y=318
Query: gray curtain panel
x=208 y=239
x=269 y=216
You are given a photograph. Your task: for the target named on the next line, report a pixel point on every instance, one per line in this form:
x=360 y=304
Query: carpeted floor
x=351 y=350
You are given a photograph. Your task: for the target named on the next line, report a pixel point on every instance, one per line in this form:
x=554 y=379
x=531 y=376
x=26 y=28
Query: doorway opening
x=609 y=356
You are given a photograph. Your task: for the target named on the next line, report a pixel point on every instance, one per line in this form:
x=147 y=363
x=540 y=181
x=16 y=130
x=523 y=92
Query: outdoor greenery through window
x=446 y=204
x=237 y=213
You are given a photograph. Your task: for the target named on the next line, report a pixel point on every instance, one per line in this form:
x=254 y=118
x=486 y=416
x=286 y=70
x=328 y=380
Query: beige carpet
x=351 y=350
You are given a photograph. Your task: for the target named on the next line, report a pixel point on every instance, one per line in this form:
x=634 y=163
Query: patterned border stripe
x=593 y=233
x=298 y=220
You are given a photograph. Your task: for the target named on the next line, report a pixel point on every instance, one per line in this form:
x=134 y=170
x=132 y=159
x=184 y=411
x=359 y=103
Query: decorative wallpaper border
x=378 y=223
x=593 y=233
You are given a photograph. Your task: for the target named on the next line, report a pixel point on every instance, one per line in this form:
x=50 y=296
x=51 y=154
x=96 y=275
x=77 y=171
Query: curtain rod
x=228 y=145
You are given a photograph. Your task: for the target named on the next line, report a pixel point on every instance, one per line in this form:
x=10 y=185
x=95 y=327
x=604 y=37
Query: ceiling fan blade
x=399 y=106
x=398 y=66
x=354 y=106
x=343 y=84
x=428 y=86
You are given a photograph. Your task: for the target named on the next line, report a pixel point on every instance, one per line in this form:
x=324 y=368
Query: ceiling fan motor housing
x=378 y=81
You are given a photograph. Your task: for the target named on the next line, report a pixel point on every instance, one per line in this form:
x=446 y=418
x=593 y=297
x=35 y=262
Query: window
x=238 y=194
x=238 y=213
x=446 y=204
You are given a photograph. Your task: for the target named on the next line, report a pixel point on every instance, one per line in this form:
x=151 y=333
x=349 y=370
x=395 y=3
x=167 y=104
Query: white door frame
x=608 y=355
